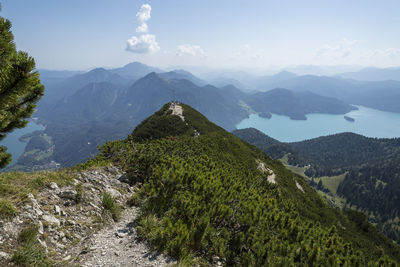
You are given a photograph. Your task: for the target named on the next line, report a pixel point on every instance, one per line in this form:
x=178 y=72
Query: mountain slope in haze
x=60 y=84
x=248 y=82
x=72 y=84
x=211 y=197
x=182 y=75
x=104 y=111
x=382 y=95
x=374 y=93
x=321 y=70
x=54 y=92
x=371 y=180
x=90 y=103
x=295 y=104
x=134 y=70
x=373 y=74
x=282 y=76
x=221 y=82
x=49 y=77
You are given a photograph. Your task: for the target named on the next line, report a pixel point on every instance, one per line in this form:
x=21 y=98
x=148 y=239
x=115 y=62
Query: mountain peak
x=182 y=75
x=134 y=64
x=172 y=120
x=152 y=76
x=98 y=70
x=134 y=70
x=285 y=73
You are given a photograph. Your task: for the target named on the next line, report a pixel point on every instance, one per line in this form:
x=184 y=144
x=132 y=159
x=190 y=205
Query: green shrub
x=80 y=196
x=148 y=228
x=28 y=235
x=7 y=209
x=136 y=199
x=112 y=206
x=31 y=255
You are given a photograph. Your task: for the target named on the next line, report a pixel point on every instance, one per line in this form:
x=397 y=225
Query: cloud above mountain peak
x=190 y=50
x=144 y=43
x=142 y=16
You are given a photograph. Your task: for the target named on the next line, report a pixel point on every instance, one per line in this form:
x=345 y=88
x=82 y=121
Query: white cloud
x=246 y=53
x=142 y=28
x=256 y=57
x=243 y=52
x=341 y=49
x=190 y=50
x=390 y=53
x=145 y=43
x=142 y=16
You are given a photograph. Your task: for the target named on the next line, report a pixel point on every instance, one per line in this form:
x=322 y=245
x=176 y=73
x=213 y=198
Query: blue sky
x=82 y=34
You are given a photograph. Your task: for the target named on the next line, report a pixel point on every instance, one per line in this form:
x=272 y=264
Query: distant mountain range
x=373 y=74
x=134 y=70
x=83 y=110
x=382 y=95
x=183 y=75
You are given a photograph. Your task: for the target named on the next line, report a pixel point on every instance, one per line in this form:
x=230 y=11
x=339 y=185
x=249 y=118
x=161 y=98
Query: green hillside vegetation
x=206 y=196
x=363 y=171
x=332 y=182
x=375 y=189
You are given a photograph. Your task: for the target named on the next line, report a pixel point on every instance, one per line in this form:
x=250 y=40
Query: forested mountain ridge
x=369 y=166
x=295 y=104
x=102 y=105
x=205 y=194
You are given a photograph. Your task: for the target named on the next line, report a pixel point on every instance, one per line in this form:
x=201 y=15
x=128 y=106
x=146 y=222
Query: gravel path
x=118 y=245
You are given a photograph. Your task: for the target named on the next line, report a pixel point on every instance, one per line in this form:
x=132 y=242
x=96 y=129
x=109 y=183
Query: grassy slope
x=332 y=182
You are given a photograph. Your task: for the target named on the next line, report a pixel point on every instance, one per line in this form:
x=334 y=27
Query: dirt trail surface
x=118 y=245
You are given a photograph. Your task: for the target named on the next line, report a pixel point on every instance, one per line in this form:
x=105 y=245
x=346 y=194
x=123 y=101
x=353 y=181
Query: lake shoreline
x=368 y=122
x=14 y=145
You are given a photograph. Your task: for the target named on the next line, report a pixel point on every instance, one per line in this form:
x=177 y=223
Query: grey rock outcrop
x=69 y=224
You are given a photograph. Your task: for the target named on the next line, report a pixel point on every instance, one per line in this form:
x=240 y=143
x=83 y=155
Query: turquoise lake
x=16 y=147
x=368 y=122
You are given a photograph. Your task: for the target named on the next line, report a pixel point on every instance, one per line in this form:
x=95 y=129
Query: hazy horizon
x=257 y=35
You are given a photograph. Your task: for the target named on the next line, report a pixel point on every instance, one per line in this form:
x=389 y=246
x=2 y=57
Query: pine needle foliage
x=20 y=87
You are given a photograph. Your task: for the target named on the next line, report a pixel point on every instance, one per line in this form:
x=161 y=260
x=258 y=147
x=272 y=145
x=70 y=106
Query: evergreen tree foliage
x=20 y=88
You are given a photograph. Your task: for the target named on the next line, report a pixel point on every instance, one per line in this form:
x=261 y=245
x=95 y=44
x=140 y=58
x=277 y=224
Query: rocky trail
x=75 y=229
x=118 y=245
